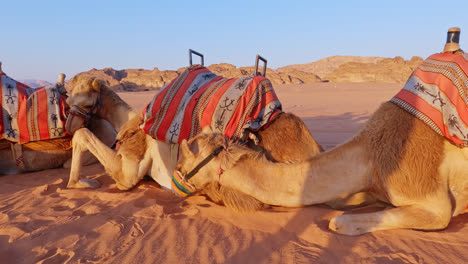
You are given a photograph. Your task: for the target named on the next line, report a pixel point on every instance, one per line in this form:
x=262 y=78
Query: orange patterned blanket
x=30 y=114
x=437 y=93
x=198 y=98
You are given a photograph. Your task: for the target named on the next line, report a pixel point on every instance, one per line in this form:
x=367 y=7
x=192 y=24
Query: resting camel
x=397 y=157
x=46 y=154
x=139 y=154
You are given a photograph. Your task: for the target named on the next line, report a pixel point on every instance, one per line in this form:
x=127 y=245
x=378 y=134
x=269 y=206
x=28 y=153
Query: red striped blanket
x=198 y=98
x=30 y=114
x=437 y=93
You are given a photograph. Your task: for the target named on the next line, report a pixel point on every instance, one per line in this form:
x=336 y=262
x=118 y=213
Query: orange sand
x=43 y=222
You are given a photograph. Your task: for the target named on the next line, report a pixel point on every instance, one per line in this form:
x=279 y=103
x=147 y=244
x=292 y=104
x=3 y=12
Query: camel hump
x=453 y=40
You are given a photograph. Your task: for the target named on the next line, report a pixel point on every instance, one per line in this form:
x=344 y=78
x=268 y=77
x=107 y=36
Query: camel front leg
x=433 y=215
x=84 y=140
x=104 y=132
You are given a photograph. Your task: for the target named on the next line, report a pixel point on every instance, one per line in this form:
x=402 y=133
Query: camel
x=396 y=157
x=47 y=154
x=139 y=154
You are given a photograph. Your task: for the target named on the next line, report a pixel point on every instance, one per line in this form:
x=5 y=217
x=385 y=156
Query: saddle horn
x=1 y=68
x=61 y=79
x=453 y=39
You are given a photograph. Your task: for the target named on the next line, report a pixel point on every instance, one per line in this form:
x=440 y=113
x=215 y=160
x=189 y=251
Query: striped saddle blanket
x=198 y=98
x=437 y=93
x=30 y=114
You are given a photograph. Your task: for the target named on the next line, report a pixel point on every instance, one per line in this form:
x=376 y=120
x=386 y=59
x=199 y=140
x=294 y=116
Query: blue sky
x=40 y=39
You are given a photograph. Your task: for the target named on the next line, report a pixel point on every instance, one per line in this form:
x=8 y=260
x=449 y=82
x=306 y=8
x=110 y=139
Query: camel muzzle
x=180 y=186
x=78 y=117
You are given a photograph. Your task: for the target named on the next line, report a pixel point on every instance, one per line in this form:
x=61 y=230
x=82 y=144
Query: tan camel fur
x=48 y=154
x=395 y=157
x=139 y=154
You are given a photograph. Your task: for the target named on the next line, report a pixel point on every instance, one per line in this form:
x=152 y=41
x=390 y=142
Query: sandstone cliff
x=139 y=79
x=325 y=66
x=133 y=79
x=387 y=70
x=334 y=69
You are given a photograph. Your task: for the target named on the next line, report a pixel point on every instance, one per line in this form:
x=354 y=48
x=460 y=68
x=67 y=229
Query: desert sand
x=43 y=222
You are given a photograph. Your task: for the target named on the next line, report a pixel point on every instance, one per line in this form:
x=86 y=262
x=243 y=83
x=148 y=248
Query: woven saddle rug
x=30 y=114
x=437 y=93
x=198 y=98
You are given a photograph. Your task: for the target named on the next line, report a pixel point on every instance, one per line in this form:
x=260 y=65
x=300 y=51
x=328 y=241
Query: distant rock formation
x=35 y=83
x=395 y=70
x=325 y=66
x=141 y=80
x=133 y=79
x=334 y=69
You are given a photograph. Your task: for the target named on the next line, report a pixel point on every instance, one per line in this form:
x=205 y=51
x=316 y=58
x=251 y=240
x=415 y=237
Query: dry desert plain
x=43 y=222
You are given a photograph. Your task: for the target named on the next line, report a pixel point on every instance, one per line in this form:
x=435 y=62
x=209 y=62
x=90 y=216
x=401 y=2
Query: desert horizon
x=337 y=68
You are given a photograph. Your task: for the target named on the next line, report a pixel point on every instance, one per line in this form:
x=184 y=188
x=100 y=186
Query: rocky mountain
x=333 y=69
x=133 y=79
x=396 y=70
x=140 y=80
x=35 y=83
x=325 y=66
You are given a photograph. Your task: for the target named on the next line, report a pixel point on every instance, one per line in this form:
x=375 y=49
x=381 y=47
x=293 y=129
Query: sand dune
x=43 y=222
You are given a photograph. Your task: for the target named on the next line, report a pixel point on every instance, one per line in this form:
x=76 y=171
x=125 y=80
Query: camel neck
x=323 y=178
x=114 y=109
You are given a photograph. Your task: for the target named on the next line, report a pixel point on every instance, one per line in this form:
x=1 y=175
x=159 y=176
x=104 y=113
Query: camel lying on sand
x=46 y=154
x=405 y=156
x=139 y=154
x=396 y=157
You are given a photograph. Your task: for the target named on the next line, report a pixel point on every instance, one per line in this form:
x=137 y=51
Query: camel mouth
x=180 y=186
x=76 y=119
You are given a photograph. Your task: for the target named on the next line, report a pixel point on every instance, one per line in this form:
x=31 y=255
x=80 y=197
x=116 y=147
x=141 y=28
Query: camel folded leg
x=84 y=140
x=433 y=215
x=104 y=132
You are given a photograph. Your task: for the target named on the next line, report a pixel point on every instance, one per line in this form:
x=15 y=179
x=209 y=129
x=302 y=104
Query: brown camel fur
x=395 y=157
x=140 y=155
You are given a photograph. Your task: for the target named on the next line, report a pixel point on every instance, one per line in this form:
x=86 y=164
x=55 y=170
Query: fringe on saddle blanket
x=198 y=98
x=437 y=94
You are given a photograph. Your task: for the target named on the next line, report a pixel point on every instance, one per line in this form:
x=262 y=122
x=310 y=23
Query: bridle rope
x=203 y=163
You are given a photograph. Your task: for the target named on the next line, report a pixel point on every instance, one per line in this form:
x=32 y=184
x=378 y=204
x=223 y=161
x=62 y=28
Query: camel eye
x=194 y=147
x=88 y=106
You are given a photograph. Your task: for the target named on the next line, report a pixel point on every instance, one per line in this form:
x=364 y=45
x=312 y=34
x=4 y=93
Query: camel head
x=203 y=159
x=83 y=99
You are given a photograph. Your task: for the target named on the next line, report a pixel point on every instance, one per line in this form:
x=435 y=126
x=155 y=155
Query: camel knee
x=79 y=135
x=124 y=182
x=440 y=219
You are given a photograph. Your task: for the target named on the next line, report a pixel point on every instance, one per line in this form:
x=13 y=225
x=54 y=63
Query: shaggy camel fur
x=140 y=155
x=395 y=157
x=48 y=154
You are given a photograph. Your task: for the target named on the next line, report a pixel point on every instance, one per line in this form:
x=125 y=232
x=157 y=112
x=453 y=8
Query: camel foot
x=342 y=225
x=85 y=183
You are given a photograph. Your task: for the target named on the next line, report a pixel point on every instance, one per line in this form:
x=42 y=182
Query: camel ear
x=207 y=130
x=97 y=84
x=184 y=147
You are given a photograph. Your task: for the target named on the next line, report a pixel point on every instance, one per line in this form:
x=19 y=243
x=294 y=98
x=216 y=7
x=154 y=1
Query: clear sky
x=40 y=39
